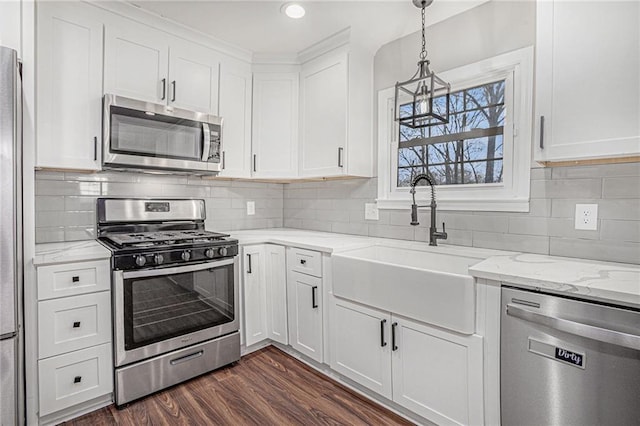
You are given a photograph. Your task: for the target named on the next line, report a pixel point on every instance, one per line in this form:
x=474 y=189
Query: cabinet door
x=235 y=110
x=361 y=345
x=276 y=285
x=304 y=295
x=324 y=116
x=136 y=63
x=587 y=85
x=275 y=124
x=193 y=77
x=69 y=87
x=255 y=296
x=437 y=374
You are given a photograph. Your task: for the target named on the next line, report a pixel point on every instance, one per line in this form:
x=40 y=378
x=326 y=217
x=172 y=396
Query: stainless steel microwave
x=140 y=135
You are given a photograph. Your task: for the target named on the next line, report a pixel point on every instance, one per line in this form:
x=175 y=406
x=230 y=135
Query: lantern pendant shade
x=422 y=101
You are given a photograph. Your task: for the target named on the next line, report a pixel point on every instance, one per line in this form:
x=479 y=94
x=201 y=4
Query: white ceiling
x=260 y=27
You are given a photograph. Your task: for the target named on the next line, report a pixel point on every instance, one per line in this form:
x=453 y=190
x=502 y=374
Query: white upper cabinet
x=235 y=110
x=194 y=73
x=588 y=90
x=275 y=125
x=69 y=86
x=336 y=92
x=150 y=65
x=136 y=63
x=324 y=116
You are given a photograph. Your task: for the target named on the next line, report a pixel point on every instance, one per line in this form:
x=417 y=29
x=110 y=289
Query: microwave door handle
x=206 y=138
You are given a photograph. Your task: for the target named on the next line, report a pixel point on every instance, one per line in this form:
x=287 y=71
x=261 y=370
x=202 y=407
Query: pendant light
x=416 y=106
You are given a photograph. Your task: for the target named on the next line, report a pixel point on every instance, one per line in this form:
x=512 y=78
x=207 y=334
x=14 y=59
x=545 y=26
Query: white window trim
x=512 y=194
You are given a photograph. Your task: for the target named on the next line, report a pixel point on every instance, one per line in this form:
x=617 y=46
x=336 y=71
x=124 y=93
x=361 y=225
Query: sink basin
x=430 y=286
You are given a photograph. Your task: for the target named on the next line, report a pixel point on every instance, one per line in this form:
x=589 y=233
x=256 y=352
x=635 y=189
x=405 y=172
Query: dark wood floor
x=267 y=387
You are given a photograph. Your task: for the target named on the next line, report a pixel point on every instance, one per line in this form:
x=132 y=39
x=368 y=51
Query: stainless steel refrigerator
x=11 y=270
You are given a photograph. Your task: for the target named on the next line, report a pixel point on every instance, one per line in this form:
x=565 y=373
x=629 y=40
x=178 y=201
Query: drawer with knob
x=72 y=279
x=73 y=323
x=73 y=378
x=305 y=261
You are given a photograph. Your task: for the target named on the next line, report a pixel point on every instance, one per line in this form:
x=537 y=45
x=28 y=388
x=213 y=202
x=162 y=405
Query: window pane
x=449 y=152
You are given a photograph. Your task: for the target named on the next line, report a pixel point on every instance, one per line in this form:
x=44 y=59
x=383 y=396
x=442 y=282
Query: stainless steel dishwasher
x=568 y=362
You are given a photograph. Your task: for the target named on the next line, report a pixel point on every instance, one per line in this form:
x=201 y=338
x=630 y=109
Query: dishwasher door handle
x=613 y=337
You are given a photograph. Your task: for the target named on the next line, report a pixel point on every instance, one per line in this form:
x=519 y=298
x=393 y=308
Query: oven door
x=145 y=135
x=160 y=310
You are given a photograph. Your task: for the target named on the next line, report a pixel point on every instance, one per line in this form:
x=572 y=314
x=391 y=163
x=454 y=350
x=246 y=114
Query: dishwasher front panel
x=567 y=362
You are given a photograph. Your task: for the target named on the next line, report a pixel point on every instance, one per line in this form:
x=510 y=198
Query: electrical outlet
x=251 y=208
x=371 y=211
x=586 y=216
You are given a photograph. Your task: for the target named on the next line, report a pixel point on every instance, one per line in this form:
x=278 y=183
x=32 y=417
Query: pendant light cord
x=423 y=53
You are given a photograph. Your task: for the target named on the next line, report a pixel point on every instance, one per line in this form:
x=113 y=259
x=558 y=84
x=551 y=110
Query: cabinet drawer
x=305 y=261
x=71 y=279
x=73 y=323
x=73 y=378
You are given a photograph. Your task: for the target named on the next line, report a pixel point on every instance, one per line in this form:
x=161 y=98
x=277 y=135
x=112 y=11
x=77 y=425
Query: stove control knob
x=223 y=251
x=141 y=260
x=209 y=253
x=158 y=259
x=185 y=256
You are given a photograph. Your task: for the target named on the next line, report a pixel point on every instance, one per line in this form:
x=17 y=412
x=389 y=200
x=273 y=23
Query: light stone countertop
x=617 y=283
x=72 y=251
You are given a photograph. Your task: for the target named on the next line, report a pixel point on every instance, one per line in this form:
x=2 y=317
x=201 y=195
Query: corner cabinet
x=69 y=86
x=336 y=104
x=275 y=125
x=587 y=85
x=264 y=294
x=432 y=372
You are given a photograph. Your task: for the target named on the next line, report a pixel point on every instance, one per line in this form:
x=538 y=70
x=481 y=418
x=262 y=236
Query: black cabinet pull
x=248 y=263
x=382 y=342
x=75 y=279
x=314 y=302
x=340 y=150
x=393 y=336
x=542 y=132
x=164 y=88
x=76 y=324
x=173 y=90
x=303 y=261
x=95 y=148
x=77 y=379
x=223 y=162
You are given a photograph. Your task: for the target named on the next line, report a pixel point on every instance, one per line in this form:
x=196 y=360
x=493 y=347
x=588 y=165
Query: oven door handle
x=177 y=269
x=206 y=140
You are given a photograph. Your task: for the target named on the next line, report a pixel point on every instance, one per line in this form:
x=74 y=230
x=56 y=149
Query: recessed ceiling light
x=293 y=10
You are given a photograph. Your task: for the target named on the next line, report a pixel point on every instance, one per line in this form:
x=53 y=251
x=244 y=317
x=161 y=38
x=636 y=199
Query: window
x=467 y=150
x=480 y=160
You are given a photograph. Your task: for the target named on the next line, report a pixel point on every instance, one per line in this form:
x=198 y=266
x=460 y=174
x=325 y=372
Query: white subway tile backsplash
x=620 y=230
x=621 y=187
x=607 y=250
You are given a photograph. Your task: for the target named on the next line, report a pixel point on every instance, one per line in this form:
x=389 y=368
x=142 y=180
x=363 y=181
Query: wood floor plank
x=265 y=388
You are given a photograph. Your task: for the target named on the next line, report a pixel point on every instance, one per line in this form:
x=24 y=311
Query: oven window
x=161 y=307
x=136 y=133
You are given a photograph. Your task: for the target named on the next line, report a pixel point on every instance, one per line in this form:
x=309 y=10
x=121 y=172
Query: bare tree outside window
x=467 y=150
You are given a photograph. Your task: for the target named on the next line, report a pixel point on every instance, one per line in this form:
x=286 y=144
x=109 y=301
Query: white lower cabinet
x=265 y=294
x=432 y=372
x=75 y=377
x=360 y=345
x=305 y=314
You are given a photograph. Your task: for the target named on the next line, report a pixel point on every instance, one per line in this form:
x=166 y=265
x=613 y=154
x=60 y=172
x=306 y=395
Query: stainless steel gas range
x=175 y=293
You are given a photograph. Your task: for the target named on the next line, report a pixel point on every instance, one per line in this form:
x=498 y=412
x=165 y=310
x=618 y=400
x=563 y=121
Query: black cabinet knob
x=75 y=279
x=77 y=379
x=76 y=324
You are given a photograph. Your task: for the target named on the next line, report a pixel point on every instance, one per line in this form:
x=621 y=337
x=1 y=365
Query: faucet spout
x=434 y=235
